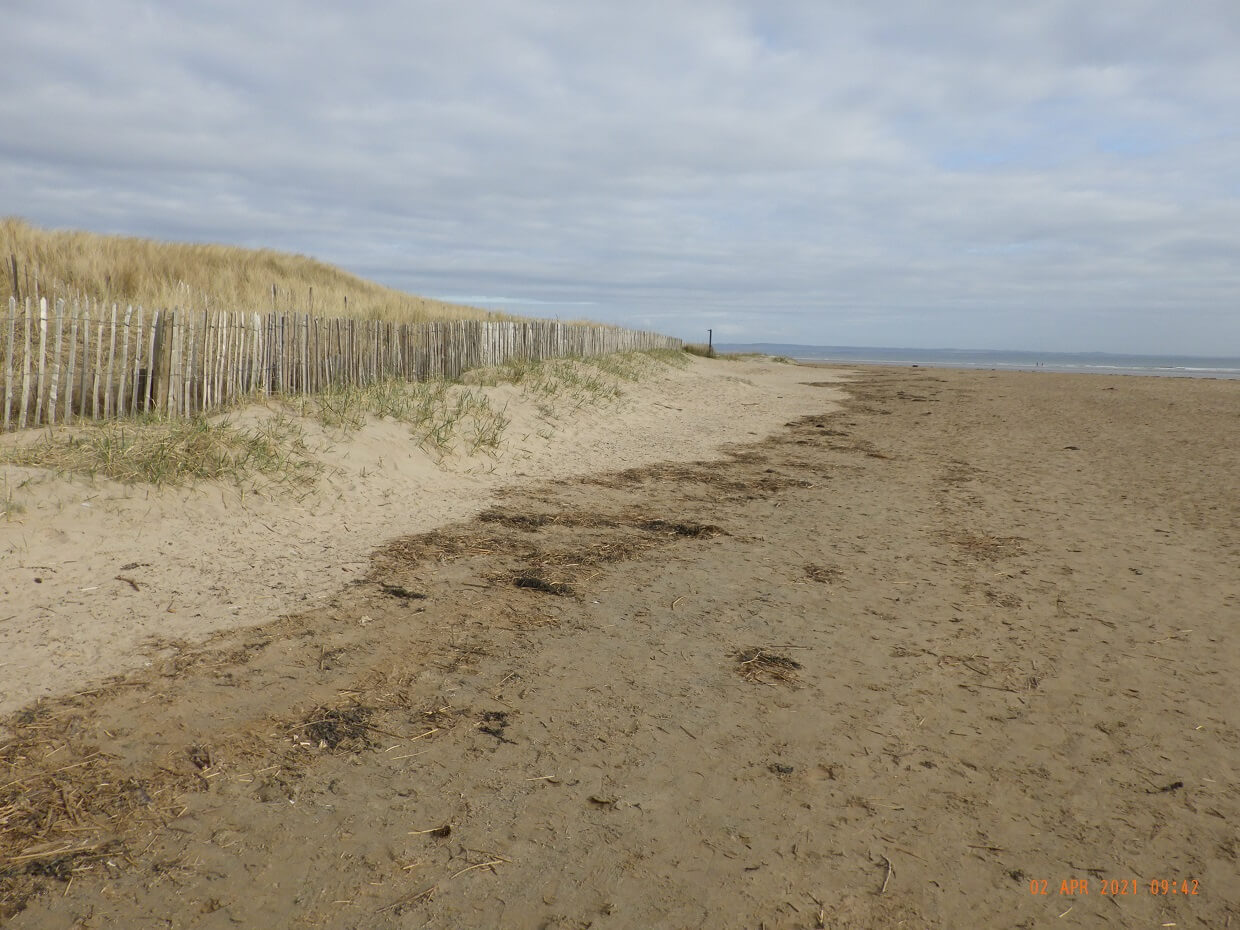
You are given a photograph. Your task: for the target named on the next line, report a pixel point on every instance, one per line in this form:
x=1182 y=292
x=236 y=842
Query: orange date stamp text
x=1114 y=887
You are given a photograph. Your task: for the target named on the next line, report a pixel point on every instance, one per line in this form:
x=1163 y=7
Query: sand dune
x=205 y=559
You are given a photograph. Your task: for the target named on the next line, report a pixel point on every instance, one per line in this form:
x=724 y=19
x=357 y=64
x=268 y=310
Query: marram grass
x=127 y=270
x=176 y=452
x=443 y=418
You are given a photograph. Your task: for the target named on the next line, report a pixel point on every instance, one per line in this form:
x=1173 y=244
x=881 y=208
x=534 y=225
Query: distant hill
x=70 y=263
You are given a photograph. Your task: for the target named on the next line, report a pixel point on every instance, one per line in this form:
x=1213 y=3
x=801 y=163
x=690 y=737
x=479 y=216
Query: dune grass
x=76 y=264
x=559 y=386
x=10 y=507
x=696 y=348
x=633 y=366
x=444 y=418
x=710 y=352
x=274 y=452
x=165 y=452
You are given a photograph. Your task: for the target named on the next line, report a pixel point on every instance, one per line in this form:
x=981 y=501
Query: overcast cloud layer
x=1046 y=175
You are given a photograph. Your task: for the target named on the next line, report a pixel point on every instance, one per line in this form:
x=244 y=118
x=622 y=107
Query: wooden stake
x=94 y=393
x=188 y=333
x=152 y=366
x=305 y=350
x=42 y=382
x=8 y=357
x=122 y=403
x=26 y=325
x=159 y=367
x=206 y=371
x=107 y=388
x=174 y=362
x=258 y=341
x=197 y=348
x=218 y=342
x=82 y=409
x=53 y=393
x=70 y=378
x=138 y=387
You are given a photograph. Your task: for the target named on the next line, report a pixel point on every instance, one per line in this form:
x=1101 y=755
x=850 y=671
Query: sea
x=1099 y=363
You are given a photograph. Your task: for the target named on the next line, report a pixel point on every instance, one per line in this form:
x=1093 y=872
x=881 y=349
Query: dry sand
x=908 y=663
x=210 y=558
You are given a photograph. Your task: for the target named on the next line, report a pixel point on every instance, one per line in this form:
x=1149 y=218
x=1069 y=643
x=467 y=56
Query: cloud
x=896 y=172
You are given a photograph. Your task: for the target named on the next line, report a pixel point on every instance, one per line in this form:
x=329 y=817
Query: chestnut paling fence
x=91 y=361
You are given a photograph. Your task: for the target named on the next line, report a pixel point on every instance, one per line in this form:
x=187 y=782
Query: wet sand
x=914 y=662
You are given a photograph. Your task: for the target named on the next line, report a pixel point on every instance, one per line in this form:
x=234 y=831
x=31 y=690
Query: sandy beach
x=763 y=646
x=100 y=578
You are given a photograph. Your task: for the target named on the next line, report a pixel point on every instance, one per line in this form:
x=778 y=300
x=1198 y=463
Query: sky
x=1049 y=174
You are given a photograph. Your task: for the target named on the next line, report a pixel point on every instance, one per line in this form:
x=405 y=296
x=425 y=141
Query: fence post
x=157 y=390
x=122 y=406
x=42 y=382
x=107 y=388
x=72 y=372
x=175 y=361
x=8 y=357
x=137 y=362
x=84 y=378
x=26 y=327
x=256 y=354
x=53 y=392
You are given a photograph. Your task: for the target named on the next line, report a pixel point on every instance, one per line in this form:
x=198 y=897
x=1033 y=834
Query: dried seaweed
x=538 y=583
x=339 y=728
x=758 y=664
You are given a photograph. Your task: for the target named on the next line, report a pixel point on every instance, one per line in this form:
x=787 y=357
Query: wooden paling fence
x=90 y=361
